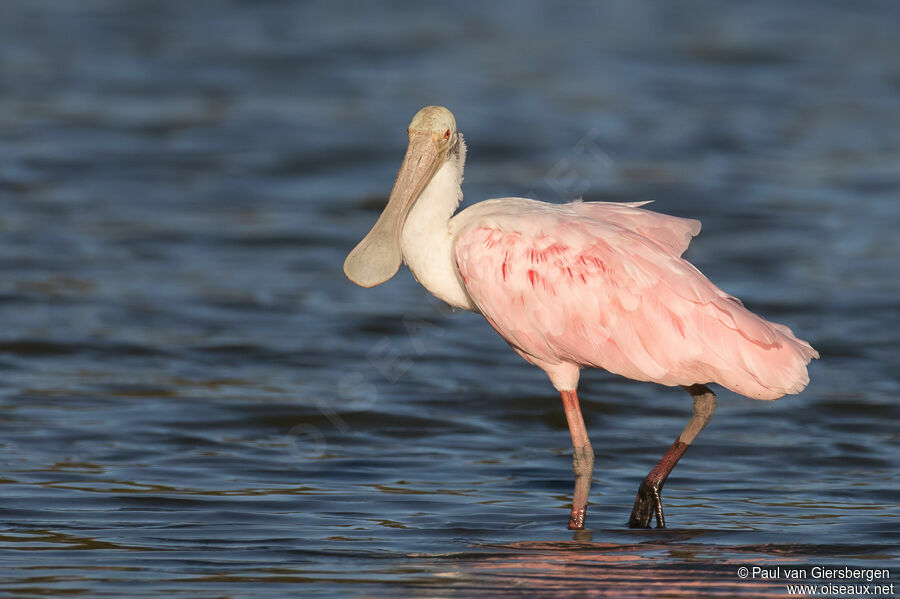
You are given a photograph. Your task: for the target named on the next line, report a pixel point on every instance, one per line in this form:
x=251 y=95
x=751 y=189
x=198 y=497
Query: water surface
x=196 y=402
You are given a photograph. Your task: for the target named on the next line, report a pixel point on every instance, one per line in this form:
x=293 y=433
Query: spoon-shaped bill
x=377 y=257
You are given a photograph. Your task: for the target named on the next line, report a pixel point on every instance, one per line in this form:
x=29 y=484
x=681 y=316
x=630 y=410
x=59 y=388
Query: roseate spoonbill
x=594 y=284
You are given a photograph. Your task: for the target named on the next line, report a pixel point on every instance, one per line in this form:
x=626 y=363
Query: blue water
x=195 y=402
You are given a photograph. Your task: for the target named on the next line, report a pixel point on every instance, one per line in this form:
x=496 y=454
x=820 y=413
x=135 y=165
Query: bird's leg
x=648 y=500
x=582 y=459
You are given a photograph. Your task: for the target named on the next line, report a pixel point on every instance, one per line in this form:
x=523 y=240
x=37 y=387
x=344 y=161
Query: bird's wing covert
x=605 y=287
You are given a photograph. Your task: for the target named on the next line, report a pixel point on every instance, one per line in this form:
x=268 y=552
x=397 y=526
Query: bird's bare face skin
x=432 y=134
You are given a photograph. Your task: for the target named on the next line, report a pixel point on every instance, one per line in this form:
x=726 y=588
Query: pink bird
x=585 y=284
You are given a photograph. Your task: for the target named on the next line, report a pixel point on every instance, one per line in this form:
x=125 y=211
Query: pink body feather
x=604 y=285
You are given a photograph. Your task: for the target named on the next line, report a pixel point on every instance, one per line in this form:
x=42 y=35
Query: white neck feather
x=426 y=240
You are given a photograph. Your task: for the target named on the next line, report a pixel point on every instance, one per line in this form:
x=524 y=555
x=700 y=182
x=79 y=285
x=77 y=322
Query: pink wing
x=603 y=285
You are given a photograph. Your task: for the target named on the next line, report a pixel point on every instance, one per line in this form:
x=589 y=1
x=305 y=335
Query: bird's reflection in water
x=669 y=567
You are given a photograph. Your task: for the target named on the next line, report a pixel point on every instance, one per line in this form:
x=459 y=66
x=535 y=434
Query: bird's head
x=432 y=139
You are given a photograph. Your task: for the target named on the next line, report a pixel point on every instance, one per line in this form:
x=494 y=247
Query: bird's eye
x=447 y=134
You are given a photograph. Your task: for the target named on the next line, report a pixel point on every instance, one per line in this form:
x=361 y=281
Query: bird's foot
x=647 y=504
x=576 y=519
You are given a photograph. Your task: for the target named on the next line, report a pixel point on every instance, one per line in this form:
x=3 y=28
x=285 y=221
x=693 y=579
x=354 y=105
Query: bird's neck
x=427 y=241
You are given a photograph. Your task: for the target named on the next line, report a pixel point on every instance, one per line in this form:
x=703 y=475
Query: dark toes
x=641 y=514
x=647 y=504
